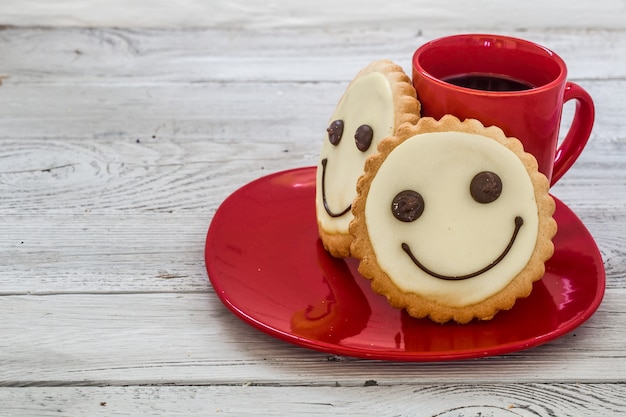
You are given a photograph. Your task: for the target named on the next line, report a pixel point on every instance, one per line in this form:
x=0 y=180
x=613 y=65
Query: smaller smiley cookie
x=377 y=101
x=452 y=220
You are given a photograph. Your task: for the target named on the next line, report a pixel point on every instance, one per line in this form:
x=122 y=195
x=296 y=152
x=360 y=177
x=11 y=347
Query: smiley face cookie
x=452 y=220
x=378 y=100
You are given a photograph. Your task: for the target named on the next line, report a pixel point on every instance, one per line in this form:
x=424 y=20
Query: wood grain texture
x=122 y=132
x=190 y=338
x=149 y=56
x=376 y=14
x=446 y=400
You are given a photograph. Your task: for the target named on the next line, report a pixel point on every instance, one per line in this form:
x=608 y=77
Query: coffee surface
x=488 y=82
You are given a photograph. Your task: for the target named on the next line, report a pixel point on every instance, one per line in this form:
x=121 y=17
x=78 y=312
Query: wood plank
x=234 y=113
x=144 y=56
x=445 y=400
x=345 y=14
x=133 y=252
x=92 y=252
x=173 y=174
x=191 y=339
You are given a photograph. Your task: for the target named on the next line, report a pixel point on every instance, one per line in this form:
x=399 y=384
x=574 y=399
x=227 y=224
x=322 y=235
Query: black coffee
x=488 y=82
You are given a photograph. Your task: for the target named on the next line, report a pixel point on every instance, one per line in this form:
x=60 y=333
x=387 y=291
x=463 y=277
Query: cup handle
x=579 y=131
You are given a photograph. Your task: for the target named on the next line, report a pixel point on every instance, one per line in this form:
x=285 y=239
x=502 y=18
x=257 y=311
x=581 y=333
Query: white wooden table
x=123 y=128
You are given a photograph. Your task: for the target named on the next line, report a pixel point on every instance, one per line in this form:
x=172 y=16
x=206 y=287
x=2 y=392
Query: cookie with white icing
x=377 y=101
x=452 y=220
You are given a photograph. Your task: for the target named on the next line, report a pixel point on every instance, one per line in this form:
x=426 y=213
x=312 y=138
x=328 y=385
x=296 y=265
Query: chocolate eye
x=335 y=132
x=363 y=137
x=486 y=187
x=407 y=206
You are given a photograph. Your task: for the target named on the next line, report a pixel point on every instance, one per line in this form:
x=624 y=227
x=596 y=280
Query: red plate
x=266 y=264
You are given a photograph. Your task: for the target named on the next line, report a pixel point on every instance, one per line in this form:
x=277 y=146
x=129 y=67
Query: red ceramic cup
x=533 y=115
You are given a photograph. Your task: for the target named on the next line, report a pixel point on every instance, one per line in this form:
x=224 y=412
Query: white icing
x=368 y=100
x=455 y=235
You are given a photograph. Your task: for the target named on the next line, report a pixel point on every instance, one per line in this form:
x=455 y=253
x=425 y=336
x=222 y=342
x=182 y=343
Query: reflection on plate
x=266 y=264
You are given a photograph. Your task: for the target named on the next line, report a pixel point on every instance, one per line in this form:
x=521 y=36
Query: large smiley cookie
x=452 y=220
x=377 y=101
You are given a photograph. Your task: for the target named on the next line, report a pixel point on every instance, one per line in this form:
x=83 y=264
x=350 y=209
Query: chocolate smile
x=518 y=224
x=328 y=210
